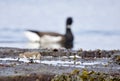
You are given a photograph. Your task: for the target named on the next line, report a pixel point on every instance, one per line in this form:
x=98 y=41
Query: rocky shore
x=20 y=71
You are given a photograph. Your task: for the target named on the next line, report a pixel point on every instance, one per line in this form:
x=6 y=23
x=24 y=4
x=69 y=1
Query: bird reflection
x=41 y=45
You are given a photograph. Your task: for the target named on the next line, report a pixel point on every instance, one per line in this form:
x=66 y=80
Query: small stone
x=55 y=50
x=37 y=80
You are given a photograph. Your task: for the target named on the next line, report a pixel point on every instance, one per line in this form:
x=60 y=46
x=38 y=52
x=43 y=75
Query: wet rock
x=116 y=58
x=35 y=69
x=37 y=77
x=85 y=75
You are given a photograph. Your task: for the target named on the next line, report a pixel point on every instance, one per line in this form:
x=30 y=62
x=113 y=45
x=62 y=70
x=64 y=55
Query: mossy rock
x=85 y=75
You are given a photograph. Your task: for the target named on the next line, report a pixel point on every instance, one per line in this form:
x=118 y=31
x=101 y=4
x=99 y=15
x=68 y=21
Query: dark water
x=96 y=22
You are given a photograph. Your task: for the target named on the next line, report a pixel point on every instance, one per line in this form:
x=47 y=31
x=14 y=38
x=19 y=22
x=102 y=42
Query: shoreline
x=45 y=70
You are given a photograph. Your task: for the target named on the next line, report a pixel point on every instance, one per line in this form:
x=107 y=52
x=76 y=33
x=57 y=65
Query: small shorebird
x=52 y=39
x=30 y=56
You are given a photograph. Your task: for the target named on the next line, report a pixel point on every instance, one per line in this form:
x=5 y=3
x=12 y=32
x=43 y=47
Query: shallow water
x=59 y=62
x=96 y=23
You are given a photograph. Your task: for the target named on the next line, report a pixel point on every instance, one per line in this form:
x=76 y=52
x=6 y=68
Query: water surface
x=96 y=22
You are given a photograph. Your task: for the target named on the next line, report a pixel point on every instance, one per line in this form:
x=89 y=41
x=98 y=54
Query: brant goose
x=51 y=39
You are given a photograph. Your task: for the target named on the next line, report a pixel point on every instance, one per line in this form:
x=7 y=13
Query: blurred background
x=96 y=22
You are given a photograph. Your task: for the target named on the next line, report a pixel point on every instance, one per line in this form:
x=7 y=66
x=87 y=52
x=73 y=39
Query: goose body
x=43 y=37
x=52 y=38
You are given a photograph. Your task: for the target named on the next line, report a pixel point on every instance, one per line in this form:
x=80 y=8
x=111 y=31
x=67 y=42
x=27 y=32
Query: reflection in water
x=43 y=45
x=33 y=45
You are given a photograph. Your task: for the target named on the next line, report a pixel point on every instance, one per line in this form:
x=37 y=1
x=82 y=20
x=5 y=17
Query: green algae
x=85 y=75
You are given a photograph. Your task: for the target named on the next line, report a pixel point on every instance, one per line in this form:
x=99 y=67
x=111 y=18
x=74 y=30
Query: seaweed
x=85 y=75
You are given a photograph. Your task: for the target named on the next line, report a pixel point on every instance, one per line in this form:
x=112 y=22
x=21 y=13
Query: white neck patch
x=68 y=26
